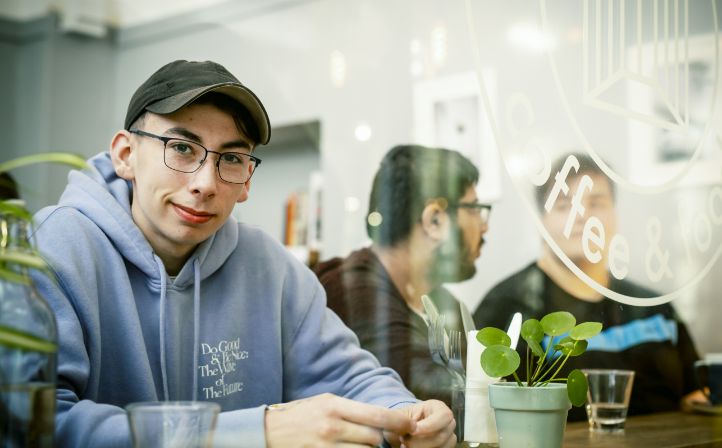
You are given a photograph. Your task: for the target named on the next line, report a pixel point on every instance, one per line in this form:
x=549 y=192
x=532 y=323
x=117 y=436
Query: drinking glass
x=709 y=377
x=457 y=407
x=608 y=398
x=172 y=424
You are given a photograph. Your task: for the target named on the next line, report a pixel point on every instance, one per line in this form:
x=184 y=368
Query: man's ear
x=243 y=196
x=435 y=220
x=123 y=155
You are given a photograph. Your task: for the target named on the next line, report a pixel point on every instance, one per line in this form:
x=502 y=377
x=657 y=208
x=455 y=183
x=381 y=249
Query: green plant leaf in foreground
x=577 y=387
x=14 y=277
x=558 y=323
x=536 y=348
x=531 y=330
x=585 y=330
x=493 y=336
x=499 y=360
x=20 y=258
x=571 y=347
x=54 y=157
x=12 y=338
x=9 y=208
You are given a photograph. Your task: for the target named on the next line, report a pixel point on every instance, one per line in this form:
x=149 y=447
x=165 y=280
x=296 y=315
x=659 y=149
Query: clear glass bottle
x=28 y=348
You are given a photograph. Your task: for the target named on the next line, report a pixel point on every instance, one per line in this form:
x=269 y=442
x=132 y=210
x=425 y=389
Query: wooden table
x=669 y=430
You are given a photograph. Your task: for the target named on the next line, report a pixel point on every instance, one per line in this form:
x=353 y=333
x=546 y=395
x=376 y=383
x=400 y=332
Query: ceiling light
x=352 y=204
x=438 y=45
x=337 y=63
x=530 y=37
x=362 y=132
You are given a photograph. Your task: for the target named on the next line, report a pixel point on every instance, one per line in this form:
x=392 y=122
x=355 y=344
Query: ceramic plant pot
x=530 y=417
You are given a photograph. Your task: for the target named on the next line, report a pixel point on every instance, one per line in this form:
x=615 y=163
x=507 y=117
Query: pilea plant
x=565 y=339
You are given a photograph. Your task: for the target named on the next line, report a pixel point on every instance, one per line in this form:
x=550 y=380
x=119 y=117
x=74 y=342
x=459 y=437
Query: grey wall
x=57 y=96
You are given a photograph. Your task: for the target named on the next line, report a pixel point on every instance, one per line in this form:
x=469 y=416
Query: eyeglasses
x=187 y=157
x=484 y=210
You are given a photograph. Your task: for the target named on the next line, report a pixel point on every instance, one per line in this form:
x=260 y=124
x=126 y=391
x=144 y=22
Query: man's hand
x=691 y=399
x=434 y=426
x=327 y=420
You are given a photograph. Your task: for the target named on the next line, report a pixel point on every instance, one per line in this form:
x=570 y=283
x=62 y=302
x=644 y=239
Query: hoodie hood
x=104 y=197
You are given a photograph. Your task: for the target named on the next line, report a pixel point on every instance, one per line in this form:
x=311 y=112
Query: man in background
x=652 y=341
x=427 y=227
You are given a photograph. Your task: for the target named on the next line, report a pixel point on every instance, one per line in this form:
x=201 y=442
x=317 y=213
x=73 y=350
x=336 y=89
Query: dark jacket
x=361 y=292
x=651 y=340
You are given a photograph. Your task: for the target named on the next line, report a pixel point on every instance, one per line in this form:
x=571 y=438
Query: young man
x=427 y=228
x=162 y=295
x=652 y=341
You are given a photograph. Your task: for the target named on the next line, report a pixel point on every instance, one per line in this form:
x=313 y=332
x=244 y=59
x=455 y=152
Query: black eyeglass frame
x=165 y=141
x=476 y=206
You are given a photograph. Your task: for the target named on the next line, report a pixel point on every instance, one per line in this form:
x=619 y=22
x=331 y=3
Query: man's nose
x=484 y=226
x=205 y=178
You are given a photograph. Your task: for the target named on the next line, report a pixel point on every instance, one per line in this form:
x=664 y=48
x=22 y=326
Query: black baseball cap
x=179 y=83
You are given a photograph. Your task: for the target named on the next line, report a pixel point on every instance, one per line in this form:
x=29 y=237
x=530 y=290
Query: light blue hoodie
x=243 y=324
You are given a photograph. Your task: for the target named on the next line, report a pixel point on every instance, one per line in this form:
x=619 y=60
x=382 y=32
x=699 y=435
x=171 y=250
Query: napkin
x=479 y=423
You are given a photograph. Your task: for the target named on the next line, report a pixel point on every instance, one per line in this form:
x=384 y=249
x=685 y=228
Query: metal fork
x=440 y=348
x=447 y=346
x=456 y=356
x=436 y=348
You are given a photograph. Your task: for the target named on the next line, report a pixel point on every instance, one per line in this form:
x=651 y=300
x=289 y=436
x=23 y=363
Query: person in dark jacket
x=427 y=227
x=651 y=340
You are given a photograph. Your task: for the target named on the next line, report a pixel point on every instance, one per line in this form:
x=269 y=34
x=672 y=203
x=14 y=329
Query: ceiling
x=95 y=16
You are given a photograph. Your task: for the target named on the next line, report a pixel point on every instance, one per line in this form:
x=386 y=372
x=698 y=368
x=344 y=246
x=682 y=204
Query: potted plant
x=533 y=413
x=28 y=337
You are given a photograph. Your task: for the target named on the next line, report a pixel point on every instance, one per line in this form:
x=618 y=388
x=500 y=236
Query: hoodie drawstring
x=196 y=323
x=163 y=281
x=196 y=326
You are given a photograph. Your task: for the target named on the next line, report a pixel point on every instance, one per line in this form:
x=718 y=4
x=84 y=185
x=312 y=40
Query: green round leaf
x=558 y=323
x=493 y=336
x=585 y=330
x=577 y=387
x=565 y=346
x=536 y=348
x=499 y=360
x=579 y=348
x=571 y=347
x=531 y=330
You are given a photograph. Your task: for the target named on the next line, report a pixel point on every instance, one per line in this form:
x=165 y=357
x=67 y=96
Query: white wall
x=284 y=56
x=281 y=50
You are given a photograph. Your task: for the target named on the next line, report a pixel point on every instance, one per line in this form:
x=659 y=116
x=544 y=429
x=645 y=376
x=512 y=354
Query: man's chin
x=462 y=274
x=468 y=273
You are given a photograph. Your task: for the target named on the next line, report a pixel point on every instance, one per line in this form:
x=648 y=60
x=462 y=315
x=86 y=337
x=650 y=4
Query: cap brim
x=236 y=91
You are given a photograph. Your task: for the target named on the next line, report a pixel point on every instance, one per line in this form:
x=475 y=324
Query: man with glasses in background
x=651 y=340
x=427 y=227
x=162 y=296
